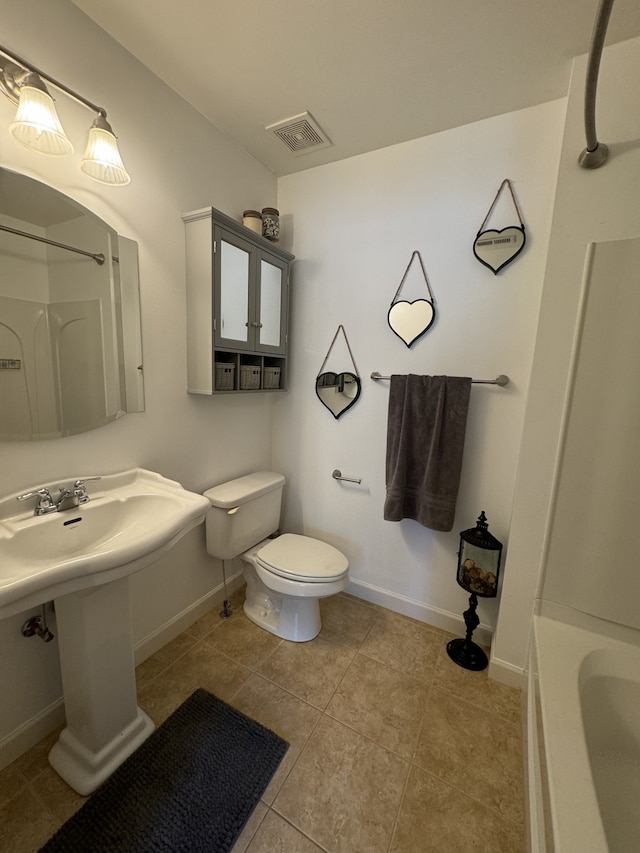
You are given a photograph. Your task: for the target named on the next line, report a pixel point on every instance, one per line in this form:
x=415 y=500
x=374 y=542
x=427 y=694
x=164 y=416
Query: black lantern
x=478 y=568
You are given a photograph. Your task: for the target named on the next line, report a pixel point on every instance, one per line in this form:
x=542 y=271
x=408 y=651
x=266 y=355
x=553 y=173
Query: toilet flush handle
x=233 y=510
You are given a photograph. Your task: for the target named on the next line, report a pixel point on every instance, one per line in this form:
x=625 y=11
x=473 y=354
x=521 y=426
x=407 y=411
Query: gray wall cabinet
x=237 y=307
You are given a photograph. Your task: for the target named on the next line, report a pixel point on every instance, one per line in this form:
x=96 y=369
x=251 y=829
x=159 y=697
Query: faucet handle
x=79 y=489
x=79 y=483
x=45 y=501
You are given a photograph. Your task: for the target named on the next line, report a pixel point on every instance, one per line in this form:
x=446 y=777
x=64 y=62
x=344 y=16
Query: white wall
x=591 y=206
x=178 y=162
x=353 y=227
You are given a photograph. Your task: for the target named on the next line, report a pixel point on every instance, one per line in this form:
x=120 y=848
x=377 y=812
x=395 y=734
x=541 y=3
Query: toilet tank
x=243 y=512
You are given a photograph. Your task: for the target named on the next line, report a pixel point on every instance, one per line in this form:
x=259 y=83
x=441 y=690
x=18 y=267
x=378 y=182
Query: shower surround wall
x=355 y=225
x=591 y=207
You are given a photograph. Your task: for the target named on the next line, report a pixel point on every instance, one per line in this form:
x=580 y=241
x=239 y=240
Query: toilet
x=286 y=574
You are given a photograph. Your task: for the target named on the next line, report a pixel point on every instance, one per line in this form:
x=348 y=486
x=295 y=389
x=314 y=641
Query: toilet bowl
x=286 y=574
x=286 y=578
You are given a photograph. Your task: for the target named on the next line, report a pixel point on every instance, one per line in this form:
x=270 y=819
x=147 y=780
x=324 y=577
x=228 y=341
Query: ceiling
x=370 y=73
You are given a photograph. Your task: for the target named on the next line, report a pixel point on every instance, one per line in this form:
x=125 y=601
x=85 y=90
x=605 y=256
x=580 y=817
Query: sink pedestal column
x=104 y=723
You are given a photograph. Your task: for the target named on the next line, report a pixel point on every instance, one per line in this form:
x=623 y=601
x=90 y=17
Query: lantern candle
x=478 y=568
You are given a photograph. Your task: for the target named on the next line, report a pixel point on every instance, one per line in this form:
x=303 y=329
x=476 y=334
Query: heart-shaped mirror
x=409 y=320
x=496 y=249
x=338 y=391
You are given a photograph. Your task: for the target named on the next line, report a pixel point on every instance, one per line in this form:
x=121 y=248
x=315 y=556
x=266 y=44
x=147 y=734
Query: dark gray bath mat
x=189 y=788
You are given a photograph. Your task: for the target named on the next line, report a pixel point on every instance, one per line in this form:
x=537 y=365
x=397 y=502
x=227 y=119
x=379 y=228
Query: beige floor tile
x=277 y=836
x=201 y=666
x=340 y=786
x=473 y=751
x=310 y=670
x=404 y=645
x=61 y=800
x=24 y=824
x=381 y=703
x=477 y=688
x=36 y=759
x=436 y=818
x=250 y=828
x=212 y=620
x=283 y=713
x=164 y=657
x=344 y=790
x=345 y=621
x=11 y=781
x=243 y=641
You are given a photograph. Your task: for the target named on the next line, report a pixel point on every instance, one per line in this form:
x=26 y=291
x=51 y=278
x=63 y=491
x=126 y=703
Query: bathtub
x=583 y=731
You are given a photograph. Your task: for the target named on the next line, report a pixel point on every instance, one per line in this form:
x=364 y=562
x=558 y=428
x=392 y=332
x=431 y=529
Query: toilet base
x=287 y=608
x=297 y=620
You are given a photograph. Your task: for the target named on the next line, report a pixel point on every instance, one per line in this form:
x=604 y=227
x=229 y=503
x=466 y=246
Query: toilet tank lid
x=243 y=489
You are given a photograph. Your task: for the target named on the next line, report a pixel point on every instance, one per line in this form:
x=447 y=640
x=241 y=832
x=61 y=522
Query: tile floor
x=393 y=748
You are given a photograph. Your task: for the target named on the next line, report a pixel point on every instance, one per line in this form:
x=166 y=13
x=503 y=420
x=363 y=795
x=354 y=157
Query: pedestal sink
x=82 y=558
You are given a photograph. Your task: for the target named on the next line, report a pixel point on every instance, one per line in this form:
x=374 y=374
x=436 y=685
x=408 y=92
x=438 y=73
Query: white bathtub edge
x=562 y=793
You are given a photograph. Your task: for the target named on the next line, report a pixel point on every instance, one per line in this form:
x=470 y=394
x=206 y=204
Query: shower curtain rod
x=596 y=153
x=499 y=380
x=99 y=259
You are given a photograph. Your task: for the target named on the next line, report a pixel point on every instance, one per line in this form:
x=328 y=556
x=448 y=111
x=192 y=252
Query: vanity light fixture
x=37 y=126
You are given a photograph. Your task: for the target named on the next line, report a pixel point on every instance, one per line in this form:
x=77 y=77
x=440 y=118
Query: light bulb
x=36 y=125
x=102 y=160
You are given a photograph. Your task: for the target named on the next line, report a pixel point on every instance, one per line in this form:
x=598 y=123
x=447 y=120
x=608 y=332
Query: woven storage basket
x=225 y=374
x=249 y=377
x=271 y=377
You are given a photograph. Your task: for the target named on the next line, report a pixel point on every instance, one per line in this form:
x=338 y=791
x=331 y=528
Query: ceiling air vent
x=301 y=134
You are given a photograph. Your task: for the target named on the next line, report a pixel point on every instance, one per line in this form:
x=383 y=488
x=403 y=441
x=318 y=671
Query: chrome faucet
x=68 y=497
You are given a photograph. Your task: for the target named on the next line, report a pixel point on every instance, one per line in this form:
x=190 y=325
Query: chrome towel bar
x=499 y=380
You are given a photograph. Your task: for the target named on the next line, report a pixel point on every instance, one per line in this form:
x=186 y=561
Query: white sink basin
x=132 y=518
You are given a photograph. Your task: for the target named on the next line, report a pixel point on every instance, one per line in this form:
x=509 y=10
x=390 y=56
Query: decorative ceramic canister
x=252 y=219
x=271 y=223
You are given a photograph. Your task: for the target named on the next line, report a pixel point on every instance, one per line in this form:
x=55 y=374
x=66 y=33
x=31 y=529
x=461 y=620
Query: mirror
x=410 y=320
x=496 y=249
x=234 y=292
x=270 y=304
x=70 y=341
x=338 y=391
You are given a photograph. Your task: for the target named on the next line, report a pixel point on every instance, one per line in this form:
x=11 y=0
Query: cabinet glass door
x=270 y=302
x=234 y=293
x=272 y=305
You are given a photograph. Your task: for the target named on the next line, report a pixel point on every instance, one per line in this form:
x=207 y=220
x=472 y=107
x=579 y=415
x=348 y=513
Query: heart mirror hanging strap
x=495 y=249
x=338 y=391
x=410 y=320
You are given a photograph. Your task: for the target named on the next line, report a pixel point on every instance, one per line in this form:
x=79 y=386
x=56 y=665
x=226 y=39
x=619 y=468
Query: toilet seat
x=301 y=558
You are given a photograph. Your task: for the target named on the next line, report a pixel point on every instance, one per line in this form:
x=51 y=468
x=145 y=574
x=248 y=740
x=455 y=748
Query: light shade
x=36 y=125
x=102 y=160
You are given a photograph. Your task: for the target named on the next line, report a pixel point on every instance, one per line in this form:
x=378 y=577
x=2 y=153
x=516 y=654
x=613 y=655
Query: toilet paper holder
x=337 y=475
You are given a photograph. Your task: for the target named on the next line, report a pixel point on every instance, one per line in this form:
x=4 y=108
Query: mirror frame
x=328 y=380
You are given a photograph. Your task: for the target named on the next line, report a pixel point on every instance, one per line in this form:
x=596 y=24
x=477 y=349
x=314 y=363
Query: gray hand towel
x=425 y=441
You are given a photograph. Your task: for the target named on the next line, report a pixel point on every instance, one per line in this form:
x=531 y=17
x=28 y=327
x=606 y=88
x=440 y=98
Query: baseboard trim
x=507 y=673
x=168 y=631
x=443 y=619
x=28 y=734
